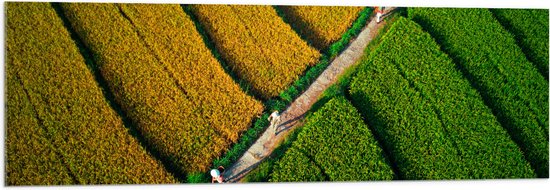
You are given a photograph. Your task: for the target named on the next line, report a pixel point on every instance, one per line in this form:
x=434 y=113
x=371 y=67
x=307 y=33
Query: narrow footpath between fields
x=292 y=116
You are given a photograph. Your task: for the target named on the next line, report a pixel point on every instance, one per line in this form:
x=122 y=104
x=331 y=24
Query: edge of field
x=263 y=171
x=285 y=98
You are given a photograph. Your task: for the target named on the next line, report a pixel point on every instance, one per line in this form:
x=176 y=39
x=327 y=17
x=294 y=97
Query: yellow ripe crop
x=259 y=46
x=61 y=130
x=322 y=25
x=165 y=79
x=31 y=158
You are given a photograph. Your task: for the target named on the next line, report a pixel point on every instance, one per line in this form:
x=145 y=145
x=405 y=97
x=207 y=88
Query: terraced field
x=103 y=93
x=334 y=145
x=510 y=84
x=170 y=107
x=269 y=54
x=143 y=71
x=60 y=128
x=433 y=123
x=431 y=117
x=530 y=29
x=321 y=25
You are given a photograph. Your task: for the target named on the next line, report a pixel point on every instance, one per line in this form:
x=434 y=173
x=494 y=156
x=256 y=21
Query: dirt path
x=292 y=116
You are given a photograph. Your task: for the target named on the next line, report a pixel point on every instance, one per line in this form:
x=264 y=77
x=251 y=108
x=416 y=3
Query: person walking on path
x=274 y=120
x=217 y=175
x=379 y=12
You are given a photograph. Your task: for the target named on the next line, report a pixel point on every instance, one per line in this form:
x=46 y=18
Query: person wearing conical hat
x=217 y=175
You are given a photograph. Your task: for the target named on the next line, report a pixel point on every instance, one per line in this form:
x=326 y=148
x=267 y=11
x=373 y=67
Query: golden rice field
x=102 y=93
x=185 y=113
x=111 y=93
x=60 y=128
x=258 y=44
x=322 y=25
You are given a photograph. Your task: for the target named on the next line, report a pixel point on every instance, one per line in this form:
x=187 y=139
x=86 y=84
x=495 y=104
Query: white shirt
x=274 y=115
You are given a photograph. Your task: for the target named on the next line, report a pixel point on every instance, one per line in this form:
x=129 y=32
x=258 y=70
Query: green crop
x=433 y=123
x=296 y=166
x=61 y=129
x=510 y=85
x=286 y=97
x=530 y=29
x=165 y=79
x=335 y=142
x=261 y=48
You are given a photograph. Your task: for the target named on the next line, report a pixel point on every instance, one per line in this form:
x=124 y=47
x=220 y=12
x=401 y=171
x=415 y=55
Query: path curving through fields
x=292 y=116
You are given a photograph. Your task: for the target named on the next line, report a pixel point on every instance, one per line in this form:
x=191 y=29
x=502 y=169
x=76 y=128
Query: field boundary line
x=292 y=116
x=108 y=94
x=48 y=136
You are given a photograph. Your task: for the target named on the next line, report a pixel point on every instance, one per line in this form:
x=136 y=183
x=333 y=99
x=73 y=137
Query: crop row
x=295 y=166
x=205 y=81
x=433 y=123
x=530 y=29
x=61 y=130
x=511 y=85
x=261 y=48
x=335 y=142
x=183 y=103
x=30 y=157
x=321 y=25
x=261 y=173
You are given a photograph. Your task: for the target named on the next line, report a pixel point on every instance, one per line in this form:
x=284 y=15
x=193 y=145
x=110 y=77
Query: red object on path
x=378 y=10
